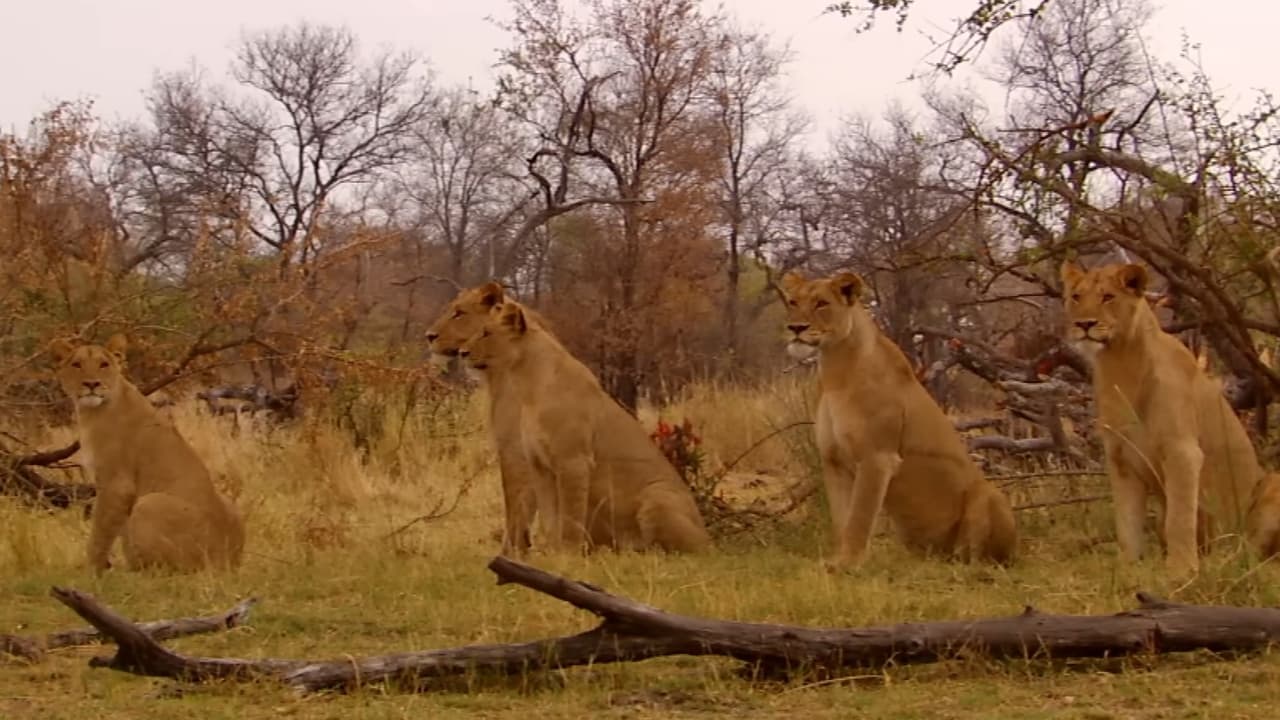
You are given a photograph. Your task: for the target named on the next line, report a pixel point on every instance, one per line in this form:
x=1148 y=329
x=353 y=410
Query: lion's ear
x=61 y=349
x=1071 y=272
x=491 y=294
x=790 y=282
x=513 y=317
x=849 y=285
x=116 y=345
x=1133 y=278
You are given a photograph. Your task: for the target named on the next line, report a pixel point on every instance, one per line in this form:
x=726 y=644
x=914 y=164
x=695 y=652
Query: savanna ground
x=335 y=579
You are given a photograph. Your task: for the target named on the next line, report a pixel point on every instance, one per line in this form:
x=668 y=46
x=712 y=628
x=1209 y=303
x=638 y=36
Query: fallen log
x=33 y=648
x=633 y=631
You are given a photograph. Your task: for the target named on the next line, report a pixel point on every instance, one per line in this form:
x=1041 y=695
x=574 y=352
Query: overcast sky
x=108 y=50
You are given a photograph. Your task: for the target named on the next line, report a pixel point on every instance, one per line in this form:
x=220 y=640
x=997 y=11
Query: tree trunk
x=633 y=631
x=731 y=292
x=623 y=359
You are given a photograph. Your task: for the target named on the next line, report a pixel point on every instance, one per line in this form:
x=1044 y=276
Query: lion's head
x=498 y=342
x=1101 y=303
x=819 y=311
x=463 y=318
x=91 y=375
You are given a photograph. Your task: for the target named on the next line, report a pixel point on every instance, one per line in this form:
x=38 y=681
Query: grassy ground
x=336 y=580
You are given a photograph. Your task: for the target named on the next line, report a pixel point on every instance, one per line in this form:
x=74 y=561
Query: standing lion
x=597 y=479
x=1166 y=427
x=884 y=441
x=152 y=488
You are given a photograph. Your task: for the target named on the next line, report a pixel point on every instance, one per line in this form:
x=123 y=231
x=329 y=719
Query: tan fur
x=152 y=489
x=1167 y=429
x=597 y=478
x=462 y=319
x=884 y=441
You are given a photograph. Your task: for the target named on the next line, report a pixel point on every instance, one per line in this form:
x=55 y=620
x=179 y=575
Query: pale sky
x=108 y=50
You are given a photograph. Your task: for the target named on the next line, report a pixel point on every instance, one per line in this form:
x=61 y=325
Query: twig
x=1011 y=445
x=1067 y=501
x=1012 y=478
x=724 y=470
x=435 y=513
x=978 y=423
x=427 y=276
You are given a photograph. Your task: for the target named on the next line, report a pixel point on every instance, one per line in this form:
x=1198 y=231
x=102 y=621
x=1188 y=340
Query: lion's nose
x=1086 y=324
x=92 y=384
x=798 y=328
x=431 y=336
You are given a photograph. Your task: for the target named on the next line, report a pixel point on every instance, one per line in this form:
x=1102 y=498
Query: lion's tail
x=1264 y=516
x=990 y=531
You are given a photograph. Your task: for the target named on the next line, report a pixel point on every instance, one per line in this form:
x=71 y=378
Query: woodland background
x=275 y=238
x=284 y=231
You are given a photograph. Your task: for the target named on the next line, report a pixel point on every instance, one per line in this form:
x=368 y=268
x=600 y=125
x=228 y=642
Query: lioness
x=1166 y=427
x=883 y=439
x=151 y=486
x=597 y=479
x=463 y=318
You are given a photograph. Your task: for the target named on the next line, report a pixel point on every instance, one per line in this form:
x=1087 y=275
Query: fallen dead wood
x=33 y=648
x=633 y=631
x=18 y=479
x=1010 y=445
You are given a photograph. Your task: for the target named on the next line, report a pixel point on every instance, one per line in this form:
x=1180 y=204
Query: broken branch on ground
x=631 y=631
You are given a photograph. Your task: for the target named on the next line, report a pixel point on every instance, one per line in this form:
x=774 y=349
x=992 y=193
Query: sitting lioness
x=597 y=479
x=152 y=488
x=883 y=439
x=462 y=319
x=1166 y=427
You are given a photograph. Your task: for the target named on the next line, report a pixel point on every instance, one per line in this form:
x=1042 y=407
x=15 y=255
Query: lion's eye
x=820 y=304
x=75 y=364
x=484 y=333
x=104 y=365
x=791 y=303
x=1075 y=297
x=1108 y=297
x=457 y=314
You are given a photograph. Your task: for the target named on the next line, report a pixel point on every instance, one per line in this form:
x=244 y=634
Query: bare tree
x=757 y=133
x=462 y=177
x=316 y=119
x=967 y=35
x=643 y=65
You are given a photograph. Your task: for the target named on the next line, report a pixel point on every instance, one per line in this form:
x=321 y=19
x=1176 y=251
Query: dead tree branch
x=632 y=631
x=34 y=648
x=19 y=480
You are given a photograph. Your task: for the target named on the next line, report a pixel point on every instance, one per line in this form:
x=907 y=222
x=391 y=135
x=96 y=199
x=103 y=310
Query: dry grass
x=334 y=584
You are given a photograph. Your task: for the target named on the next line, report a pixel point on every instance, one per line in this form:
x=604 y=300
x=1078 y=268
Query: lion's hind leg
x=170 y=533
x=988 y=530
x=670 y=520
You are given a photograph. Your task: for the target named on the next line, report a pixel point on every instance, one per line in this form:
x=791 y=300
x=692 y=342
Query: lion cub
x=597 y=479
x=152 y=488
x=883 y=439
x=1166 y=427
